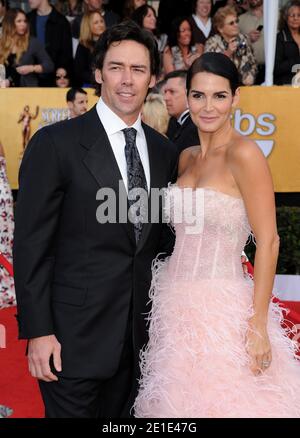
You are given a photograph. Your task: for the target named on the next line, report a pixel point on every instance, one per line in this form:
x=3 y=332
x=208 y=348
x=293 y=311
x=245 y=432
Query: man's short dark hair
x=182 y=74
x=176 y=74
x=71 y=94
x=127 y=30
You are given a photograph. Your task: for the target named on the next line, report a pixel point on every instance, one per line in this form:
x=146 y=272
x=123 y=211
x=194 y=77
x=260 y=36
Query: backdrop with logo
x=269 y=115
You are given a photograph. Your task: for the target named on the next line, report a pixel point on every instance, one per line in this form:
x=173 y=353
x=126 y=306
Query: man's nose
x=127 y=76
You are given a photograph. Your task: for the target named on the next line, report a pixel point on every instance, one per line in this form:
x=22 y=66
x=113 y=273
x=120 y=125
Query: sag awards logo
x=263 y=125
x=47 y=117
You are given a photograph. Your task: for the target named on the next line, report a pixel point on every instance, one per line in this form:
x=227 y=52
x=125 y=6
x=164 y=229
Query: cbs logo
x=263 y=125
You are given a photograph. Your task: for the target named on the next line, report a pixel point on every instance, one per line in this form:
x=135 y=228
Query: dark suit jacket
x=74 y=277
x=183 y=136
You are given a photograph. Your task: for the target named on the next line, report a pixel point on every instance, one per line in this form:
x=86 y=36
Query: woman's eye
x=197 y=95
x=221 y=96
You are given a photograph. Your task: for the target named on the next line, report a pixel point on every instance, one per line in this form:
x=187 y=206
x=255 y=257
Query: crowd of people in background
x=56 y=40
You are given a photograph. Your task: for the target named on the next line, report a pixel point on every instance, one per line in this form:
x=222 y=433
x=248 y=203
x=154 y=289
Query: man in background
x=53 y=31
x=77 y=101
x=251 y=24
x=181 y=129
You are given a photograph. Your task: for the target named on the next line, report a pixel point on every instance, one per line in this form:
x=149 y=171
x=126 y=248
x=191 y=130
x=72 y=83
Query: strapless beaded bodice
x=211 y=231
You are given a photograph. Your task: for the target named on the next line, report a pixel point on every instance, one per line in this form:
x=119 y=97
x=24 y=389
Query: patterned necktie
x=136 y=180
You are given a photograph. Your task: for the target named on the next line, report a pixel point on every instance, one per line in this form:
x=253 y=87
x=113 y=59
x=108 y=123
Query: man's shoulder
x=71 y=131
x=58 y=18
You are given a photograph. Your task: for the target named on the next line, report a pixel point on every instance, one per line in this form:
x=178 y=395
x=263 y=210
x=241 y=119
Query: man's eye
x=221 y=96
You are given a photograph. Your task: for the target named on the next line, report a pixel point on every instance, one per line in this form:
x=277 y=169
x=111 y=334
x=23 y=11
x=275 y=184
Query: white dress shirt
x=113 y=126
x=205 y=28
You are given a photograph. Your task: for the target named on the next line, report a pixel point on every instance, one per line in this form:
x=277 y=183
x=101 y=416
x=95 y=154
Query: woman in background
x=201 y=23
x=23 y=56
x=145 y=17
x=181 y=51
x=232 y=43
x=91 y=28
x=155 y=113
x=7 y=287
x=62 y=78
x=287 y=59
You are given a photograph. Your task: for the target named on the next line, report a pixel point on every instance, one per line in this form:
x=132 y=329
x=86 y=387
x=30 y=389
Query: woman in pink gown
x=216 y=347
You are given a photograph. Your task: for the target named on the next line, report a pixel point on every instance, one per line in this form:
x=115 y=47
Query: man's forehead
x=138 y=52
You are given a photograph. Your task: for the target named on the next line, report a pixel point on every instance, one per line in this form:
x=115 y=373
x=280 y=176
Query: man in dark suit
x=181 y=129
x=82 y=282
x=53 y=31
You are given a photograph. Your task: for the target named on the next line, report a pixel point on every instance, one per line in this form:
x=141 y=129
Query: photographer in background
x=233 y=44
x=251 y=24
x=241 y=6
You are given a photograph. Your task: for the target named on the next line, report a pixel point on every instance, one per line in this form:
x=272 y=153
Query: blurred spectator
x=92 y=27
x=7 y=288
x=251 y=24
x=62 y=78
x=109 y=16
x=181 y=51
x=77 y=101
x=241 y=6
x=288 y=44
x=130 y=6
x=201 y=23
x=69 y=8
x=232 y=43
x=23 y=56
x=168 y=10
x=145 y=17
x=3 y=9
x=155 y=113
x=181 y=129
x=53 y=31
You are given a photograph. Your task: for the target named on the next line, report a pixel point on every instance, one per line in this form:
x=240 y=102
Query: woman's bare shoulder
x=242 y=149
x=186 y=156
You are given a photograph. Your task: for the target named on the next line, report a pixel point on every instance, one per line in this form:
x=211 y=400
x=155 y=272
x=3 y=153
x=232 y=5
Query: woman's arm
x=248 y=65
x=253 y=178
x=168 y=60
x=35 y=59
x=44 y=63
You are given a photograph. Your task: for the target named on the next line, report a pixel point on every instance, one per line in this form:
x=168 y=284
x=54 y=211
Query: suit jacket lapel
x=100 y=160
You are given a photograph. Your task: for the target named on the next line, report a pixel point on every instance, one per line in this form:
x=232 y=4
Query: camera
x=241 y=48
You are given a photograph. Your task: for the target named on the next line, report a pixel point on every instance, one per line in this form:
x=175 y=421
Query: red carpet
x=18 y=390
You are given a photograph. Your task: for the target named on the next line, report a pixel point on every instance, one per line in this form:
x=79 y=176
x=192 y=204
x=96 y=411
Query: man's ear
x=152 y=81
x=70 y=105
x=98 y=76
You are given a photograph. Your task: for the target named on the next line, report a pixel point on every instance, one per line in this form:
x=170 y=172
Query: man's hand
x=40 y=351
x=25 y=69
